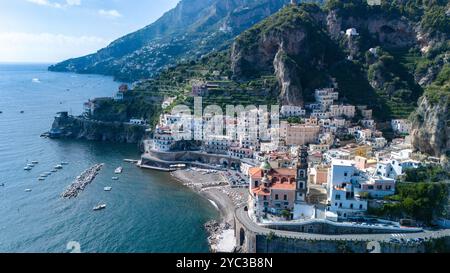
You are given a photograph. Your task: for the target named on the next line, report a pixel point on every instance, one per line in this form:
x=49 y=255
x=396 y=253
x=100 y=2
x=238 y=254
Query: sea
x=147 y=211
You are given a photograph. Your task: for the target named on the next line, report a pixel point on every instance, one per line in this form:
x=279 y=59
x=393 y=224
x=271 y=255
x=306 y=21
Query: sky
x=48 y=31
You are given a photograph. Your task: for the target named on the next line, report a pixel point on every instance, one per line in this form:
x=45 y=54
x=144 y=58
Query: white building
x=343 y=111
x=163 y=140
x=368 y=123
x=379 y=143
x=292 y=111
x=217 y=144
x=138 y=122
x=325 y=97
x=343 y=180
x=401 y=126
x=351 y=32
x=393 y=168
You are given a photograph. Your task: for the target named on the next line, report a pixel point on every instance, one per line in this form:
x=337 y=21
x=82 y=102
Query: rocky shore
x=215 y=188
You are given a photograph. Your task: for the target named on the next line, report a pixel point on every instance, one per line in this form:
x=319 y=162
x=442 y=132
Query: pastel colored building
x=271 y=190
x=299 y=134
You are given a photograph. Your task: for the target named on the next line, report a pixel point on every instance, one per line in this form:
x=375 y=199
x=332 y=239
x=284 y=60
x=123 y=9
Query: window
x=276 y=196
x=361 y=206
x=285 y=197
x=338 y=197
x=351 y=206
x=345 y=174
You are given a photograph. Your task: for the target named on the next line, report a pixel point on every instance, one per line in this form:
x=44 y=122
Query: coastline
x=223 y=197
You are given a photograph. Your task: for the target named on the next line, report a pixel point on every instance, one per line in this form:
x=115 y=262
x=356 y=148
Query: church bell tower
x=302 y=175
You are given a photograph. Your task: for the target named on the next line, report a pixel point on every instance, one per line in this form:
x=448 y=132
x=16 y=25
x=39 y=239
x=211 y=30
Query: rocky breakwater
x=83 y=128
x=82 y=181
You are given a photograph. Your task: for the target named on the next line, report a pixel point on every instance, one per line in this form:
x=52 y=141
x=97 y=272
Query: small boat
x=35 y=162
x=44 y=175
x=28 y=190
x=41 y=179
x=107 y=188
x=115 y=178
x=27 y=168
x=54 y=171
x=64 y=163
x=58 y=167
x=48 y=173
x=119 y=170
x=99 y=207
x=2 y=184
x=22 y=112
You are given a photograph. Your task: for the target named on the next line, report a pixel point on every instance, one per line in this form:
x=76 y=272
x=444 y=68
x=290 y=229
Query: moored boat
x=107 y=188
x=99 y=207
x=119 y=170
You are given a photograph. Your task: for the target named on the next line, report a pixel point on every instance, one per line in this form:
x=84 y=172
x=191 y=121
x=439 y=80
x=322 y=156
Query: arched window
x=284 y=180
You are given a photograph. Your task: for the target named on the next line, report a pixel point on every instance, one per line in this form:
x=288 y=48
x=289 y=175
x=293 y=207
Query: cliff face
x=78 y=128
x=299 y=40
x=285 y=47
x=431 y=127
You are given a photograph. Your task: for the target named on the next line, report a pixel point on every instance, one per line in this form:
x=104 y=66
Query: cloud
x=46 y=47
x=54 y=4
x=110 y=13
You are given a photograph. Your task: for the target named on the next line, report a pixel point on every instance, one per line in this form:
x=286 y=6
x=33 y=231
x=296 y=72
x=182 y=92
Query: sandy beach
x=215 y=187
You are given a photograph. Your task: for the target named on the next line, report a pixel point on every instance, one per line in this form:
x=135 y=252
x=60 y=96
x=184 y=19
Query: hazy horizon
x=50 y=31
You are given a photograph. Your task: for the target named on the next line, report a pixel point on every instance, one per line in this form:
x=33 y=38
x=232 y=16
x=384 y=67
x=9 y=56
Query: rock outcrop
x=286 y=71
x=431 y=127
x=80 y=128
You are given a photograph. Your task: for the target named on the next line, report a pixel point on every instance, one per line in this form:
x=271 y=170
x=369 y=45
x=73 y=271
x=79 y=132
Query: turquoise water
x=146 y=211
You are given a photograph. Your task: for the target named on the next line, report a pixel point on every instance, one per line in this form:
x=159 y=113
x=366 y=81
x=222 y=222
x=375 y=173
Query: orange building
x=272 y=190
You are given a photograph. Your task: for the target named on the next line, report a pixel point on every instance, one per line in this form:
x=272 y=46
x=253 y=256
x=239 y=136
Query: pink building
x=272 y=190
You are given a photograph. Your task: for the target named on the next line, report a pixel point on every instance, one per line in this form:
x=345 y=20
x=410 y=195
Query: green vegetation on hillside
x=422 y=196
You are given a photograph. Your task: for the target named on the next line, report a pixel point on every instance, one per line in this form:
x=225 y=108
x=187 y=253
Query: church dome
x=265 y=166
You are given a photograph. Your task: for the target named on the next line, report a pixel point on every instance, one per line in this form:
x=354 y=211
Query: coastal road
x=245 y=220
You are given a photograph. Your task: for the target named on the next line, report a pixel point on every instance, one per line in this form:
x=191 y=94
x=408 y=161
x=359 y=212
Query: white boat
x=115 y=178
x=119 y=170
x=44 y=175
x=99 y=207
x=107 y=188
x=28 y=190
x=41 y=178
x=27 y=168
x=30 y=165
x=58 y=167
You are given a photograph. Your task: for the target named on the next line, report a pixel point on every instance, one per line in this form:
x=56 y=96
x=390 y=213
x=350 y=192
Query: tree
x=286 y=214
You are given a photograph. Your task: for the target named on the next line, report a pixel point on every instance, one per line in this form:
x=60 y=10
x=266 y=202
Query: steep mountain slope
x=191 y=29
